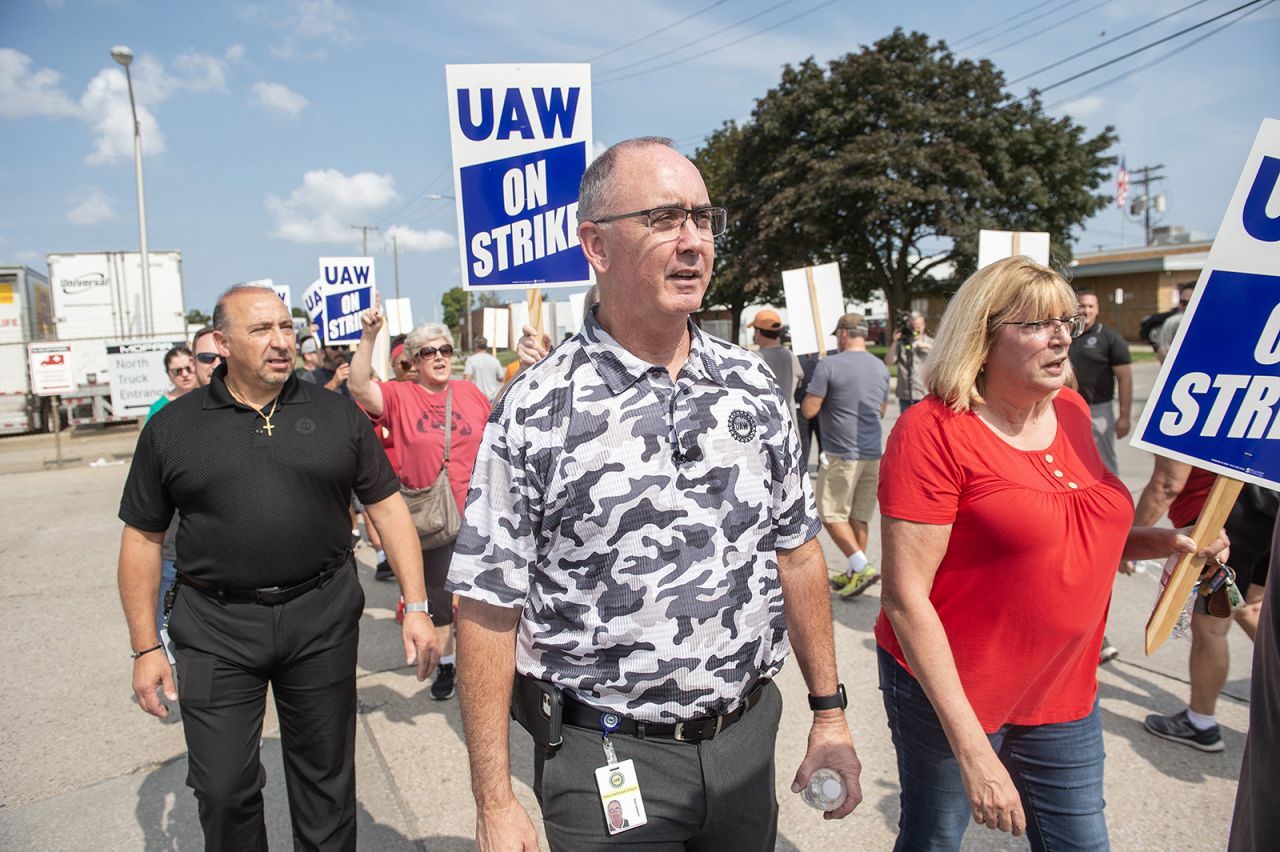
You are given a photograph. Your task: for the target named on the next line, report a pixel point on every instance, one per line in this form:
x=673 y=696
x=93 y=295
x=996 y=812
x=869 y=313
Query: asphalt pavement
x=81 y=767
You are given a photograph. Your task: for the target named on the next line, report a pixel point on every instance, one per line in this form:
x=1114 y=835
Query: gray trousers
x=1103 y=415
x=716 y=795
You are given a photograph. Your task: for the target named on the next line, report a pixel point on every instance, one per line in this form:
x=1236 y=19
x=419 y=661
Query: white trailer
x=26 y=315
x=98 y=296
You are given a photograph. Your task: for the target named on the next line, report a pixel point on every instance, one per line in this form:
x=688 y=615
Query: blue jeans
x=1057 y=769
x=168 y=576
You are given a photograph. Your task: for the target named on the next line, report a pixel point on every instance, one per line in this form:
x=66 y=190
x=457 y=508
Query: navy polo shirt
x=256 y=510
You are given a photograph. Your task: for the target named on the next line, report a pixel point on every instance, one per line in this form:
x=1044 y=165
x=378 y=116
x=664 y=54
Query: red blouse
x=1025 y=584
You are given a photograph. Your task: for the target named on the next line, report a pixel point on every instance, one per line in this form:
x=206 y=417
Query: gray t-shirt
x=486 y=371
x=786 y=366
x=853 y=387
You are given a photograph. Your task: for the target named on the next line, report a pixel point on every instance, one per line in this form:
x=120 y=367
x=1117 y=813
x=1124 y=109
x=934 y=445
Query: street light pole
x=124 y=56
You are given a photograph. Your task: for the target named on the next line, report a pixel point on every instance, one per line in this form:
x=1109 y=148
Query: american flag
x=1122 y=185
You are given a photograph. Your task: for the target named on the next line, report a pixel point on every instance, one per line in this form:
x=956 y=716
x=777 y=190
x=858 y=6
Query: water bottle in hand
x=825 y=790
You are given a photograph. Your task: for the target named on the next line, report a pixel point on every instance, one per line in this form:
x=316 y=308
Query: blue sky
x=271 y=127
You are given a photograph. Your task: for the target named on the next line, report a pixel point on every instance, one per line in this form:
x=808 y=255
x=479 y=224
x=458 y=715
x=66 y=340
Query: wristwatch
x=423 y=607
x=836 y=701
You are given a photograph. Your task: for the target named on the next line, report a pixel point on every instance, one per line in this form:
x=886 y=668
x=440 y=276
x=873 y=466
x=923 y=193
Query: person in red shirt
x=1181 y=490
x=413 y=412
x=1002 y=531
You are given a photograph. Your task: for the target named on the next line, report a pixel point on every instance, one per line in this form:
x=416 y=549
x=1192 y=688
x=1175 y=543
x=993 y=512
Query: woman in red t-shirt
x=413 y=412
x=1002 y=531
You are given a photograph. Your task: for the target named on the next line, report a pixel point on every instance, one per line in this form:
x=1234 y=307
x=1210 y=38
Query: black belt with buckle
x=693 y=731
x=272 y=596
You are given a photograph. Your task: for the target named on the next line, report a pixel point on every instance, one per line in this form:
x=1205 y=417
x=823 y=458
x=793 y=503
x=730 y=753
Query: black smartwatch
x=836 y=701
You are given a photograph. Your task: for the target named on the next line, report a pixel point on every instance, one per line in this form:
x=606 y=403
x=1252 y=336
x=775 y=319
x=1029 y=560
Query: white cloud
x=322 y=19
x=327 y=204
x=279 y=99
x=23 y=93
x=303 y=21
x=235 y=53
x=410 y=239
x=105 y=102
x=93 y=207
x=105 y=105
x=1088 y=105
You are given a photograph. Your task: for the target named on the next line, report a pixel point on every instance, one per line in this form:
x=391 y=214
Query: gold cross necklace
x=266 y=416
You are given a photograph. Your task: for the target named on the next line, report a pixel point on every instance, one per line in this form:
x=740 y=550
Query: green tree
x=890 y=161
x=299 y=313
x=454 y=303
x=195 y=316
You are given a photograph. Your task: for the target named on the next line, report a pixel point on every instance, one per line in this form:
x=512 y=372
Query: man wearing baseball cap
x=849 y=393
x=783 y=362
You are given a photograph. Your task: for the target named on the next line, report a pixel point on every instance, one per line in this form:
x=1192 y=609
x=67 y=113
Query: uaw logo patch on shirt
x=742 y=426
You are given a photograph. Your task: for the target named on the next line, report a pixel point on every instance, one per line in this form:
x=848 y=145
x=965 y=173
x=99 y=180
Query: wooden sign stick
x=817 y=314
x=534 y=297
x=1017 y=244
x=1214 y=514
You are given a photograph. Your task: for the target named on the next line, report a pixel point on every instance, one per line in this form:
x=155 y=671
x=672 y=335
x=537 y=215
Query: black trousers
x=716 y=796
x=227 y=653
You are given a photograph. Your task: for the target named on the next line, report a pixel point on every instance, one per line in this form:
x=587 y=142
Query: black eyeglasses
x=178 y=371
x=208 y=357
x=667 y=221
x=429 y=351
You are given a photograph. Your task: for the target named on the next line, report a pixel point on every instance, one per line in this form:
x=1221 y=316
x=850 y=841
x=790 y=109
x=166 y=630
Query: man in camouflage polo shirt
x=640 y=535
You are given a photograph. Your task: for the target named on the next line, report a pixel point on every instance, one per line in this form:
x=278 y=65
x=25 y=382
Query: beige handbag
x=434 y=511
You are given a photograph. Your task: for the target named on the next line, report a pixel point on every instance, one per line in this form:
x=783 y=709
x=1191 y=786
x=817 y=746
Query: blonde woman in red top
x=1002 y=531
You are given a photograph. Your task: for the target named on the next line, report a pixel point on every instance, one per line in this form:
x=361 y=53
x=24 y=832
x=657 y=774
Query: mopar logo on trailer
x=72 y=286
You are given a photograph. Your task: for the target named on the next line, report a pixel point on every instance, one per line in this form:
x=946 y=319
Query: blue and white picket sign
x=521 y=141
x=1216 y=402
x=347 y=285
x=313 y=303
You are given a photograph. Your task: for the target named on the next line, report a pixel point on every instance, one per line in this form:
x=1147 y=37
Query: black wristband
x=136 y=654
x=836 y=701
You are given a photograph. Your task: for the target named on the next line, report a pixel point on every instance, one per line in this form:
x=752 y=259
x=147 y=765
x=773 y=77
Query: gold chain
x=265 y=416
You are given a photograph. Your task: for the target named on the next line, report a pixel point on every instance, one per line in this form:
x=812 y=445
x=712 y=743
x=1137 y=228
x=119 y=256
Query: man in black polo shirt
x=1101 y=361
x=260 y=468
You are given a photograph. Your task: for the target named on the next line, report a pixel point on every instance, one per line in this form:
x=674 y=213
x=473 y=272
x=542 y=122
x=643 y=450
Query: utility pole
x=364 y=237
x=1145 y=176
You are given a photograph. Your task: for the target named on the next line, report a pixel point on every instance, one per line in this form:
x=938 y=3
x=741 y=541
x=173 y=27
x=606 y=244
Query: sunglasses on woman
x=430 y=351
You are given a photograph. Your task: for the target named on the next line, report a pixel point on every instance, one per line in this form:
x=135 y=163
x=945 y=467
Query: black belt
x=693 y=731
x=272 y=596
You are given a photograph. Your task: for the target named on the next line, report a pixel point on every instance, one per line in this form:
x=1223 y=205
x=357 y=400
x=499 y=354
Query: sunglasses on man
x=208 y=357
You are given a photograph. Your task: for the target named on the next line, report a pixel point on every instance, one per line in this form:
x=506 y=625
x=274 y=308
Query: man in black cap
x=260 y=467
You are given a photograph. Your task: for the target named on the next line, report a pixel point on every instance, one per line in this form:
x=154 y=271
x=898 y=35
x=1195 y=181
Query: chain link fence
x=88 y=431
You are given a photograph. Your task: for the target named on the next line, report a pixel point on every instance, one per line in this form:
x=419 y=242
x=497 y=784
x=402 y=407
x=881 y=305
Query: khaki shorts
x=847 y=490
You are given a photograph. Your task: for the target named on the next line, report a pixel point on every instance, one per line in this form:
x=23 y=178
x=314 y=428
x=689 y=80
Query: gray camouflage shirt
x=636 y=521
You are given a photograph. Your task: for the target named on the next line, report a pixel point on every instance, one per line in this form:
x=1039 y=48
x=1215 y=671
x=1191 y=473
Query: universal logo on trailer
x=83 y=284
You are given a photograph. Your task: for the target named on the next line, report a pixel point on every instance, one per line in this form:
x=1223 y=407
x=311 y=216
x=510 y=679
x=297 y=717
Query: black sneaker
x=442 y=689
x=1179 y=729
x=1108 y=653
x=383 y=571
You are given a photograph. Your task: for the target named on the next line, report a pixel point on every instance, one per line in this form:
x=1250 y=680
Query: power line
x=658 y=31
x=697 y=40
x=990 y=27
x=1161 y=58
x=1016 y=26
x=1136 y=51
x=414 y=199
x=705 y=53
x=1112 y=40
x=1040 y=32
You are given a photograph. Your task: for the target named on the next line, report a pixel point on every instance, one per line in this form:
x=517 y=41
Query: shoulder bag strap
x=448 y=424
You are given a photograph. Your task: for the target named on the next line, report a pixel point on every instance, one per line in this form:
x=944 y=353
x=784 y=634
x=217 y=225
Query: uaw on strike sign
x=1216 y=402
x=521 y=141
